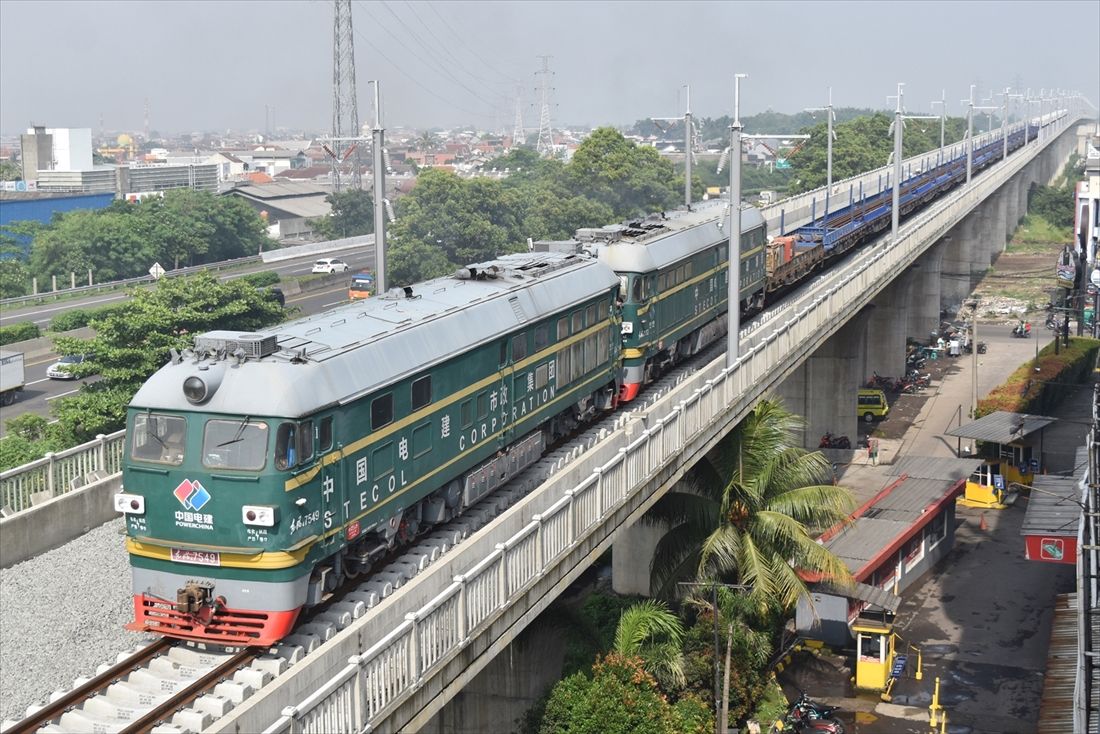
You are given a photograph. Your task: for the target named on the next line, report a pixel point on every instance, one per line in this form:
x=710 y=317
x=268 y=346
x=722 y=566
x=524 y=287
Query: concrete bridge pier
x=632 y=556
x=1025 y=189
x=924 y=295
x=823 y=389
x=984 y=244
x=887 y=328
x=1011 y=193
x=958 y=254
x=1000 y=222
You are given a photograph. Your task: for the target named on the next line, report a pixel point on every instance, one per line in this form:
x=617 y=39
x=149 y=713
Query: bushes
x=19 y=332
x=77 y=318
x=1039 y=385
x=262 y=278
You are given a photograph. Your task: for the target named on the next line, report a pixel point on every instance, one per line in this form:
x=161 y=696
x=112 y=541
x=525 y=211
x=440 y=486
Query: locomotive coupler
x=197 y=599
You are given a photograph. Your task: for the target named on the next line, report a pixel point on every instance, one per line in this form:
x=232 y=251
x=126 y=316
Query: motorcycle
x=1021 y=330
x=981 y=347
x=812 y=709
x=828 y=441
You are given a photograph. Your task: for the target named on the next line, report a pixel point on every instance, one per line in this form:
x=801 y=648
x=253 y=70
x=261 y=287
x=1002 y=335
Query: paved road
x=983 y=615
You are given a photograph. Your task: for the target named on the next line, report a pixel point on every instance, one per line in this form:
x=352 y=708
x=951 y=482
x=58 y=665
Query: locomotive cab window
x=234 y=444
x=326 y=434
x=381 y=411
x=421 y=392
x=305 y=441
x=159 y=438
x=636 y=291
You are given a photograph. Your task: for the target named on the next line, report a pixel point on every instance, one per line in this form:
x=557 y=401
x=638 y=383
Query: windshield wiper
x=239 y=434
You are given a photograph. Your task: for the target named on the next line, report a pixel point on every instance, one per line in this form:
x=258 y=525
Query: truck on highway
x=11 y=376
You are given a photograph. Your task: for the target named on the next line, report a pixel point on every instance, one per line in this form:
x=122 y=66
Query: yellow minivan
x=871 y=404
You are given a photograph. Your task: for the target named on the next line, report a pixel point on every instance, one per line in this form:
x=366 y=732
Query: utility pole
x=830 y=136
x=942 y=101
x=896 y=129
x=545 y=143
x=345 y=105
x=689 y=143
x=969 y=134
x=733 y=305
x=379 y=142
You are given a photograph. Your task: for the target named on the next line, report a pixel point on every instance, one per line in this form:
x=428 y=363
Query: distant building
x=41 y=207
x=139 y=178
x=288 y=207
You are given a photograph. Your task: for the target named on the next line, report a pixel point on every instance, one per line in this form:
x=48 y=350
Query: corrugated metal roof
x=863 y=592
x=1002 y=427
x=929 y=467
x=1056 y=707
x=1054 y=508
x=864 y=539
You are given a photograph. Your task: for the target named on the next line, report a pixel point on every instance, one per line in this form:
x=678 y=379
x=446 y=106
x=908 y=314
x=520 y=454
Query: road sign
x=156 y=271
x=782 y=164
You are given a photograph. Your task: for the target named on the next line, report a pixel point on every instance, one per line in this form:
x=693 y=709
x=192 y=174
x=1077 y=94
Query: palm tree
x=748 y=513
x=649 y=631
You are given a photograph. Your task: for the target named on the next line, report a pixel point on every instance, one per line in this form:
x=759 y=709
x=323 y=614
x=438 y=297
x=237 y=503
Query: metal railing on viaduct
x=397 y=666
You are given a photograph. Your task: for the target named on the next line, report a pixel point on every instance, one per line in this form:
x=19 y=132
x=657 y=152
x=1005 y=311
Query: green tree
x=106 y=242
x=133 y=340
x=649 y=631
x=631 y=179
x=352 y=215
x=619 y=698
x=446 y=219
x=750 y=511
x=15 y=277
x=10 y=171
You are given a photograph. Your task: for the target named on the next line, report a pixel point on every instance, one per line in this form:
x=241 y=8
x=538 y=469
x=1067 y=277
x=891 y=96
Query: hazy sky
x=214 y=65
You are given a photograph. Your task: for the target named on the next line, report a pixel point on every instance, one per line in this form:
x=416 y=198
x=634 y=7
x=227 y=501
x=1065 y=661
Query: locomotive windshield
x=159 y=438
x=235 y=444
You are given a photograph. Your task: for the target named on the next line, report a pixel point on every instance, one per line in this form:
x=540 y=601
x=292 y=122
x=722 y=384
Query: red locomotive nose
x=629 y=391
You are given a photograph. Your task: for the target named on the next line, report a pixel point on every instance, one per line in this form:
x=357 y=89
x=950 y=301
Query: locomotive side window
x=578 y=321
x=542 y=376
x=601 y=313
x=466 y=413
x=591 y=314
x=421 y=392
x=662 y=282
x=305 y=441
x=503 y=353
x=159 y=438
x=542 y=337
x=381 y=459
x=422 y=439
x=563 y=328
x=563 y=368
x=602 y=342
x=381 y=411
x=519 y=347
x=234 y=445
x=482 y=405
x=326 y=434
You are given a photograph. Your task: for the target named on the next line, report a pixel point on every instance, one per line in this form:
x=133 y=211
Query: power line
x=416 y=81
x=430 y=54
x=473 y=51
x=446 y=49
x=419 y=55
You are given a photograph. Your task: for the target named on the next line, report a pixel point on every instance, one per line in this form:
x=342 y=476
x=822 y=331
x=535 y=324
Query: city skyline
x=207 y=66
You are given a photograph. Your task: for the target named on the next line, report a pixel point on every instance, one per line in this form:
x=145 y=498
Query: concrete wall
x=507 y=688
x=57 y=521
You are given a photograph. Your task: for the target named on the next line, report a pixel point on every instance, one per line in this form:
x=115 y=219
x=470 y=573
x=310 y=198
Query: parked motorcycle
x=829 y=441
x=812 y=709
x=805 y=715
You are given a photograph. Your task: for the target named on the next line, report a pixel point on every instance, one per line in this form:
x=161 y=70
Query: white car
x=62 y=369
x=330 y=265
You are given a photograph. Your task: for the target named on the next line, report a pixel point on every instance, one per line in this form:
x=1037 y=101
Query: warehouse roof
x=1002 y=427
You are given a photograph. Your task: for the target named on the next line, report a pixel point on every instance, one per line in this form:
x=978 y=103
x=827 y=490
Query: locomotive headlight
x=130 y=504
x=264 y=516
x=201 y=387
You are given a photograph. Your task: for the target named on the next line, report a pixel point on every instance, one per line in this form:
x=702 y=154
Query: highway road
x=41 y=391
x=41 y=313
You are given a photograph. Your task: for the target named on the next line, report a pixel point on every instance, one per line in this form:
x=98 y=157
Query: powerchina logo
x=193 y=496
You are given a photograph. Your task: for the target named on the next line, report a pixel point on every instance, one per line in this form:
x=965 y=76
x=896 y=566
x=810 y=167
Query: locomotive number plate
x=202 y=558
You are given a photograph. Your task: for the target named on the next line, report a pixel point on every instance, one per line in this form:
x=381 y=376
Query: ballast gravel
x=61 y=615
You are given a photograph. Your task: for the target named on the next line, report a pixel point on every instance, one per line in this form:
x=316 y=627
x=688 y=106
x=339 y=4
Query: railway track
x=146 y=690
x=171 y=687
